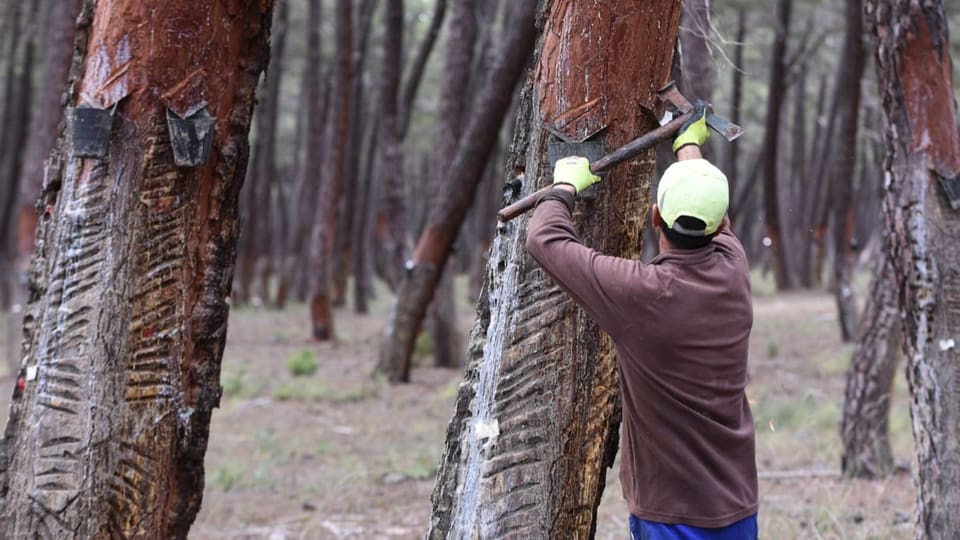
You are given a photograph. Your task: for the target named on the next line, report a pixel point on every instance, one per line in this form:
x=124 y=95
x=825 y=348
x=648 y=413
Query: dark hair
x=686 y=241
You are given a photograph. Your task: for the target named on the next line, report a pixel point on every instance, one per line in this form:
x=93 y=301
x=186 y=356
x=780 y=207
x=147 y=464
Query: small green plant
x=773 y=350
x=228 y=476
x=232 y=383
x=302 y=364
x=285 y=392
x=422 y=349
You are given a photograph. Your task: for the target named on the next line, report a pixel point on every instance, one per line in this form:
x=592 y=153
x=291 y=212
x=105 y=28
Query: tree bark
x=331 y=190
x=923 y=238
x=771 y=142
x=537 y=416
x=447 y=215
x=866 y=408
x=126 y=323
x=843 y=165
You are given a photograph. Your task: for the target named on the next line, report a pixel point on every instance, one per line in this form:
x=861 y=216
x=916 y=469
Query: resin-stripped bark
x=127 y=317
x=923 y=238
x=537 y=417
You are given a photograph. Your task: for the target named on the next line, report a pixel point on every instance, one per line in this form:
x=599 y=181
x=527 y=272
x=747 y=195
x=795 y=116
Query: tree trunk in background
x=18 y=96
x=777 y=91
x=391 y=222
x=126 y=323
x=44 y=117
x=308 y=182
x=537 y=417
x=363 y=261
x=463 y=175
x=870 y=184
x=799 y=190
x=843 y=165
x=409 y=93
x=699 y=71
x=736 y=98
x=354 y=204
x=865 y=427
x=923 y=238
x=331 y=189
x=815 y=196
x=454 y=93
x=254 y=252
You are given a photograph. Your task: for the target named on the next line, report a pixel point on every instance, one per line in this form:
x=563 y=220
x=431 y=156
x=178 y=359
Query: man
x=681 y=326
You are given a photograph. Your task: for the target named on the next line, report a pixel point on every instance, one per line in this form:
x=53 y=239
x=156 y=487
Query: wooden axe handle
x=618 y=156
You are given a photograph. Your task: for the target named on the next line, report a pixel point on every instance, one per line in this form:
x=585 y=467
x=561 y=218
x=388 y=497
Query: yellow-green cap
x=694 y=188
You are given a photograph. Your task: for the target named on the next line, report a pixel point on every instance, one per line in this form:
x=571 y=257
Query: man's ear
x=657 y=220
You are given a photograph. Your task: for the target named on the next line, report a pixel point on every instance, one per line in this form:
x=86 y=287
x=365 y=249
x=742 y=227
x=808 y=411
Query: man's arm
x=598 y=283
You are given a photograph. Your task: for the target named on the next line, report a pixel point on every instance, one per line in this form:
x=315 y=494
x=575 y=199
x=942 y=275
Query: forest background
x=315 y=438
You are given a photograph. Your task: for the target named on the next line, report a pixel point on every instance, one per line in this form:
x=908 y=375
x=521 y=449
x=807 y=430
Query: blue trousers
x=640 y=529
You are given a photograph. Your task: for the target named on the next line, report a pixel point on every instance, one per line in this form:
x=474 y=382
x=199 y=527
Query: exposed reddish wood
x=925 y=73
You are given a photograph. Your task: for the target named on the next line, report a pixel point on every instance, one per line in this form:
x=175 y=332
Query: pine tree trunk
x=843 y=164
x=331 y=190
x=454 y=91
x=447 y=216
x=253 y=253
x=866 y=408
x=16 y=117
x=923 y=238
x=732 y=165
x=126 y=323
x=391 y=221
x=419 y=64
x=771 y=142
x=537 y=417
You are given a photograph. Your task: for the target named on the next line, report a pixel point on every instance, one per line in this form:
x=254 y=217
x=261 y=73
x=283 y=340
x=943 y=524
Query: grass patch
x=229 y=476
x=423 y=349
x=423 y=466
x=232 y=383
x=301 y=389
x=302 y=364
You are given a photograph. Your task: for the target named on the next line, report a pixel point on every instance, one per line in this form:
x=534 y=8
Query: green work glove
x=574 y=170
x=694 y=130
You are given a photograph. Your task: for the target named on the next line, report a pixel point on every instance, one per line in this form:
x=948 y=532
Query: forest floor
x=336 y=455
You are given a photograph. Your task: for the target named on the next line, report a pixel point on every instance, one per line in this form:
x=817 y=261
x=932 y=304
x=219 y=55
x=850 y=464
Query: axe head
x=672 y=96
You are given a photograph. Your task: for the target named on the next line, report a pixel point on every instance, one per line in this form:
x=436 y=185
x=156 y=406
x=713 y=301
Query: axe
x=728 y=130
